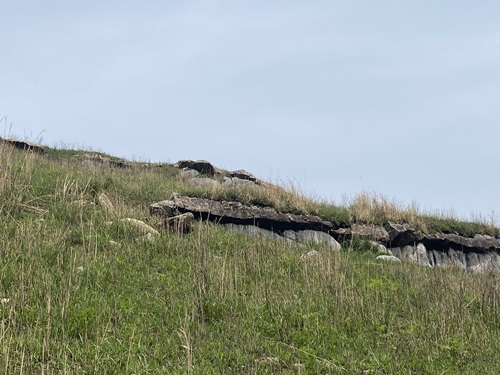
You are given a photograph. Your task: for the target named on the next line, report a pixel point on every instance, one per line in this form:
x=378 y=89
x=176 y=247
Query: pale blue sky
x=397 y=97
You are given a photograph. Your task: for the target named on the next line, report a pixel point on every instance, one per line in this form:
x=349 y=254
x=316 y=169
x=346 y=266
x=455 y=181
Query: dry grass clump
x=373 y=208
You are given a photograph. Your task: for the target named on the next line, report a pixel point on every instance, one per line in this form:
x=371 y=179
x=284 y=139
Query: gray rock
x=443 y=241
x=189 y=173
x=120 y=163
x=316 y=237
x=469 y=261
x=416 y=254
x=165 y=208
x=141 y=225
x=237 y=182
x=238 y=213
x=202 y=166
x=401 y=234
x=27 y=146
x=243 y=175
x=381 y=248
x=205 y=182
x=252 y=230
x=390 y=258
x=370 y=232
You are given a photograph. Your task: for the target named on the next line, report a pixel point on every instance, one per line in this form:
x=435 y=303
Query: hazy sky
x=395 y=97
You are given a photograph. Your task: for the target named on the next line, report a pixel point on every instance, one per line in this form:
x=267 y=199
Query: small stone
x=141 y=225
x=313 y=254
x=388 y=258
x=299 y=367
x=4 y=301
x=79 y=269
x=105 y=201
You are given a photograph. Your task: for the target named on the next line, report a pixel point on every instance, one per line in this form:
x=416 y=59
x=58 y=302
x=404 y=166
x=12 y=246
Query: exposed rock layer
x=479 y=254
x=25 y=145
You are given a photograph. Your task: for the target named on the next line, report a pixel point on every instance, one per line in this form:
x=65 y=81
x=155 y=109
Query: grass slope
x=79 y=295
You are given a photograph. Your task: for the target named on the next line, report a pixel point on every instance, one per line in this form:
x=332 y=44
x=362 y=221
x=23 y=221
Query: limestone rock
x=237 y=182
x=189 y=173
x=362 y=231
x=243 y=175
x=27 y=146
x=96 y=159
x=165 y=208
x=381 y=248
x=205 y=182
x=202 y=166
x=390 y=258
x=443 y=241
x=401 y=234
x=480 y=262
x=316 y=237
x=141 y=225
x=238 y=213
x=253 y=230
x=120 y=163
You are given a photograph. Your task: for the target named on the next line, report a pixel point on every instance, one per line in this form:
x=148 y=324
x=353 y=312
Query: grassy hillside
x=82 y=293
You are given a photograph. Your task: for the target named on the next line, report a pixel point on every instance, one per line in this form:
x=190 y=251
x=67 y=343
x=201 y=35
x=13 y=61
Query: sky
x=398 y=98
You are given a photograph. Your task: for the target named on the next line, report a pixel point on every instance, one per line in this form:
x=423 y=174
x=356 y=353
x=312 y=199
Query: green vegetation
x=82 y=293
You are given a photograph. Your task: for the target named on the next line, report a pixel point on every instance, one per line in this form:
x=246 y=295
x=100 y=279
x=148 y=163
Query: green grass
x=80 y=293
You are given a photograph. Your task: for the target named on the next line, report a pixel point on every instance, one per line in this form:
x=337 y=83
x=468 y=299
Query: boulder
x=401 y=234
x=253 y=230
x=312 y=236
x=381 y=248
x=205 y=182
x=189 y=173
x=243 y=175
x=237 y=182
x=202 y=166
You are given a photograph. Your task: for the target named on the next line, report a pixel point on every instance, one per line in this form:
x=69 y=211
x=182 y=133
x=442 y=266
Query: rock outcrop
x=201 y=166
x=477 y=254
x=237 y=213
x=260 y=221
x=397 y=241
x=96 y=159
x=400 y=241
x=27 y=146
